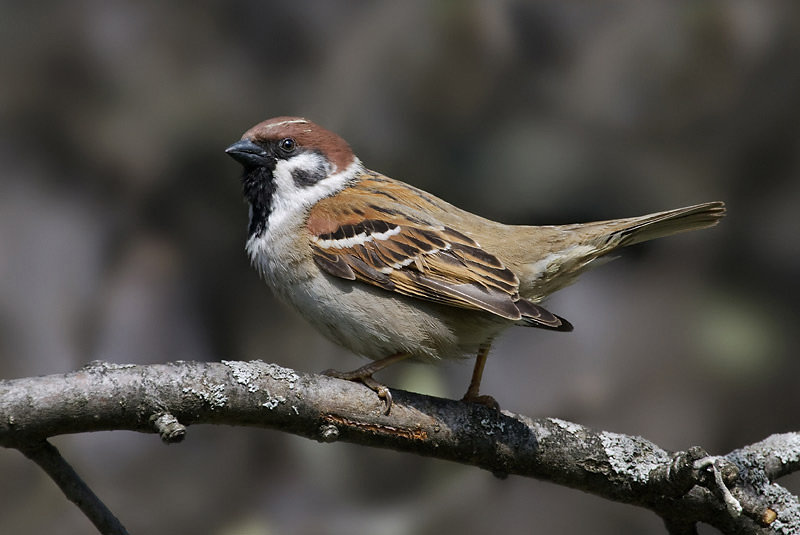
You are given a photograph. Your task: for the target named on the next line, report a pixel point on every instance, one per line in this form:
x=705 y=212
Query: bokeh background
x=122 y=231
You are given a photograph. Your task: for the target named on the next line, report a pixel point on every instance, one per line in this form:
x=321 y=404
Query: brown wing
x=396 y=246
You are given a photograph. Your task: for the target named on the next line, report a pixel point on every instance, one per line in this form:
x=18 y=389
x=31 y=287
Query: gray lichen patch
x=250 y=374
x=492 y=426
x=756 y=459
x=567 y=426
x=103 y=365
x=784 y=504
x=632 y=457
x=247 y=374
x=786 y=447
x=282 y=374
x=541 y=431
x=752 y=462
x=273 y=401
x=211 y=393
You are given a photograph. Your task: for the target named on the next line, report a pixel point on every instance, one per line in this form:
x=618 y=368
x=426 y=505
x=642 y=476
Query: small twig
x=715 y=465
x=74 y=488
x=170 y=429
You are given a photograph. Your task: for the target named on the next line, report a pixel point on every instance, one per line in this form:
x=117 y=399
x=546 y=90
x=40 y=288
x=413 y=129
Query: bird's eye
x=287 y=145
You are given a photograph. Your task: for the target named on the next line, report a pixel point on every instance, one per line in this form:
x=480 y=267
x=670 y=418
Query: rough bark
x=735 y=492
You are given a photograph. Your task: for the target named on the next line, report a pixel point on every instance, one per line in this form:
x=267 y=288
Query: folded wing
x=421 y=259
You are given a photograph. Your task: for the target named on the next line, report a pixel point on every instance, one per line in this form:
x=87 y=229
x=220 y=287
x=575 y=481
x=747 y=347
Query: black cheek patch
x=308 y=177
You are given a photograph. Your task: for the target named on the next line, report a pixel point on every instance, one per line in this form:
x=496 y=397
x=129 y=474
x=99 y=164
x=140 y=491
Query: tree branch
x=736 y=492
x=50 y=460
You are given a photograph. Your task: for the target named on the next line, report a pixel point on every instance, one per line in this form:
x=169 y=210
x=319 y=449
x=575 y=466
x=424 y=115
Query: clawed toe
x=367 y=380
x=382 y=391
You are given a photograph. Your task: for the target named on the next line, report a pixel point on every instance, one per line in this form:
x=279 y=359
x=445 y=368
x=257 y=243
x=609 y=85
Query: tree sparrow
x=391 y=272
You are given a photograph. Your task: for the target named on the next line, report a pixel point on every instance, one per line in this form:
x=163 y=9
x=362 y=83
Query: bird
x=392 y=272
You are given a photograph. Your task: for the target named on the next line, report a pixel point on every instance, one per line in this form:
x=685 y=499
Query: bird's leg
x=472 y=395
x=364 y=375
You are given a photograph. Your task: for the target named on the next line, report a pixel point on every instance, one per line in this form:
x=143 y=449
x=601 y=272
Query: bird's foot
x=487 y=401
x=363 y=375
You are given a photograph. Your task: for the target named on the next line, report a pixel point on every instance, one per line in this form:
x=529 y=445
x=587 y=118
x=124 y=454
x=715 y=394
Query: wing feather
x=400 y=248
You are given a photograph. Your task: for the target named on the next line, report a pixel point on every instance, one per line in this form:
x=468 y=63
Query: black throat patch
x=258 y=187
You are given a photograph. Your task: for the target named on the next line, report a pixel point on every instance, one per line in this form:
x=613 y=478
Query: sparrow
x=391 y=272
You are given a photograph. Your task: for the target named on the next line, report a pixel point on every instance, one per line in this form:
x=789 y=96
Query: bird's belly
x=376 y=323
x=371 y=321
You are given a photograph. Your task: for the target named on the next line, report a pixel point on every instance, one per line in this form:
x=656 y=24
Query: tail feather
x=666 y=223
x=568 y=250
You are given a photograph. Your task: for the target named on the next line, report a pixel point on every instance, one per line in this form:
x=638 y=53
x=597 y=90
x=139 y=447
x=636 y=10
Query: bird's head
x=290 y=164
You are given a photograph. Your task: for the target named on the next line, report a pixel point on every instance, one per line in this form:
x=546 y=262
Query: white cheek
x=290 y=200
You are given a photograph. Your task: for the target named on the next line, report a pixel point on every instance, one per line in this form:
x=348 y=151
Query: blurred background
x=122 y=233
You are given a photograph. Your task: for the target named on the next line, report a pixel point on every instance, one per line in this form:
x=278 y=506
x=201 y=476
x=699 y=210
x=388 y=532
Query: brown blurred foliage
x=122 y=231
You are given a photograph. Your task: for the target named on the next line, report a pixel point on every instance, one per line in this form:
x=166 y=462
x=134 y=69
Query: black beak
x=248 y=153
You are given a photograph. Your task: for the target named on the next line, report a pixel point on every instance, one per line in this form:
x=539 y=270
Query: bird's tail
x=566 y=251
x=624 y=232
